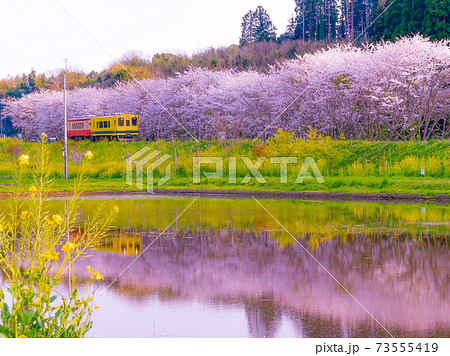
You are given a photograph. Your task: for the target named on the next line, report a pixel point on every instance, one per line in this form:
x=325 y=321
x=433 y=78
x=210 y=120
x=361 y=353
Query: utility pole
x=65 y=121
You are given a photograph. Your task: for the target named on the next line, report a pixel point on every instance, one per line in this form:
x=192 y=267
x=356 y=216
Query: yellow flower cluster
x=116 y=209
x=68 y=247
x=43 y=136
x=89 y=155
x=56 y=219
x=24 y=214
x=95 y=275
x=50 y=255
x=33 y=189
x=24 y=160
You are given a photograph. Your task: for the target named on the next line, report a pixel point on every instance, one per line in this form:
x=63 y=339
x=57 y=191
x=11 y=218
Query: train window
x=120 y=121
x=128 y=122
x=134 y=121
x=106 y=124
x=101 y=124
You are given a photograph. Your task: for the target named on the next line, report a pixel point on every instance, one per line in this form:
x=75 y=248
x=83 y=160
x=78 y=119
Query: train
x=95 y=128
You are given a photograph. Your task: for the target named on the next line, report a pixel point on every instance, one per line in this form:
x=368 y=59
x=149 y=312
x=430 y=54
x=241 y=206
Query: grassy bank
x=347 y=166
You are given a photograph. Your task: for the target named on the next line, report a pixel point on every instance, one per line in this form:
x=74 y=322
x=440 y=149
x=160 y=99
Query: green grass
x=366 y=167
x=424 y=186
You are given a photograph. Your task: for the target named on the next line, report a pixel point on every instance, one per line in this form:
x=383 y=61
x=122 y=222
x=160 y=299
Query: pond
x=228 y=268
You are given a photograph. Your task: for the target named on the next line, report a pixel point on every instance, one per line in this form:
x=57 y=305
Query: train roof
x=80 y=118
x=85 y=118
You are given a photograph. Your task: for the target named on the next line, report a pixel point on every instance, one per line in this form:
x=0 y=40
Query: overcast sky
x=40 y=34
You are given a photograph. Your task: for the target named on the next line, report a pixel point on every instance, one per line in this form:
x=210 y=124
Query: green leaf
x=6 y=310
x=52 y=299
x=27 y=316
x=39 y=320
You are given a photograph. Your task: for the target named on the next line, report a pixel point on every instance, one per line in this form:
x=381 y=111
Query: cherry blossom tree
x=384 y=91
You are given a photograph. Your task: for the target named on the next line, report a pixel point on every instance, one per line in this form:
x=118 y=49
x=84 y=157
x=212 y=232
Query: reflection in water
x=226 y=269
x=403 y=282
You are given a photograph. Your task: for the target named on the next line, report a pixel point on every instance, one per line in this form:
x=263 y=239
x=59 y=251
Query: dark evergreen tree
x=437 y=23
x=393 y=19
x=257 y=26
x=247 y=31
x=315 y=19
x=417 y=16
x=376 y=31
x=405 y=27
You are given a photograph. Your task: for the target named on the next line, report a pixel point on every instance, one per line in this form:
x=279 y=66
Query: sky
x=40 y=34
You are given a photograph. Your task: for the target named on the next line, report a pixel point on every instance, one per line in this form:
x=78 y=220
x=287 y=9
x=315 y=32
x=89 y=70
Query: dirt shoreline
x=333 y=196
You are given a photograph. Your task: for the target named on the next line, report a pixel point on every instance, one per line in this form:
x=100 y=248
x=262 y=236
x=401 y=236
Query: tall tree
x=437 y=22
x=315 y=19
x=392 y=19
x=257 y=26
x=376 y=31
x=417 y=16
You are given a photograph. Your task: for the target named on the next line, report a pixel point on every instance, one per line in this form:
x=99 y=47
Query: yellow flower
x=53 y=256
x=43 y=136
x=1 y=228
x=98 y=276
x=116 y=209
x=89 y=268
x=24 y=160
x=88 y=155
x=56 y=219
x=22 y=337
x=24 y=214
x=36 y=302
x=33 y=189
x=68 y=247
x=97 y=307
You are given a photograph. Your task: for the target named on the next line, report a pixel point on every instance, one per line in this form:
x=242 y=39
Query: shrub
x=35 y=254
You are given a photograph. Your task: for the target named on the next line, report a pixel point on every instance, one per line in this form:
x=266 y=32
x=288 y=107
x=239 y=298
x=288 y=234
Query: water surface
x=226 y=268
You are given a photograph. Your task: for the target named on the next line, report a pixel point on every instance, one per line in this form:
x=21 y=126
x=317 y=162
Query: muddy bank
x=236 y=194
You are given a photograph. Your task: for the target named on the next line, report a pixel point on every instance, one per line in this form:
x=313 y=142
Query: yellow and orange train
x=121 y=126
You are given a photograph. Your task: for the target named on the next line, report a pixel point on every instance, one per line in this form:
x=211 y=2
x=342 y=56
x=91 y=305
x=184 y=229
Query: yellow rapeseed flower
x=89 y=268
x=68 y=247
x=33 y=189
x=43 y=136
x=22 y=337
x=24 y=214
x=88 y=154
x=50 y=255
x=24 y=160
x=116 y=209
x=97 y=307
x=98 y=276
x=56 y=219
